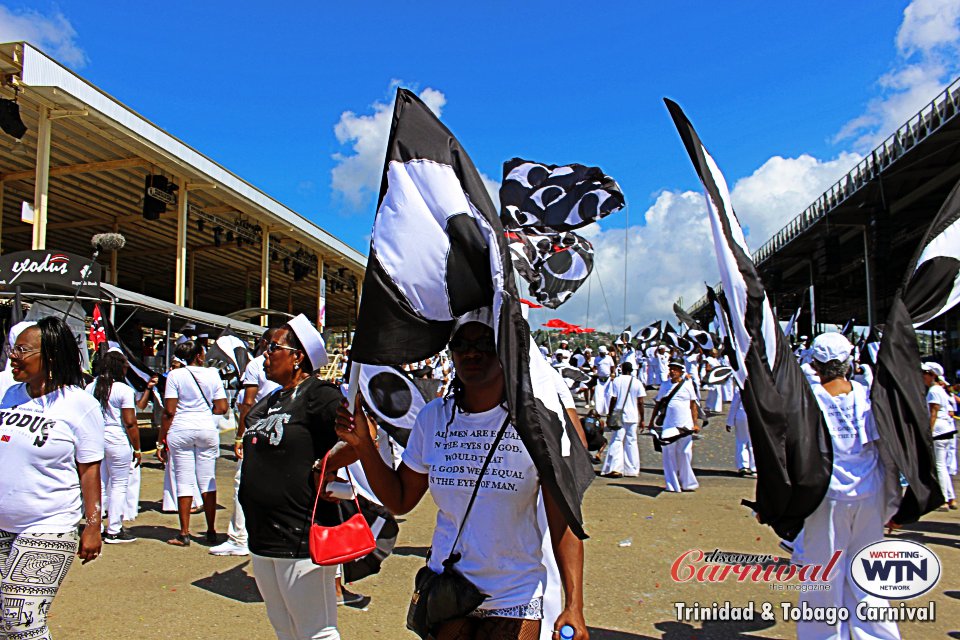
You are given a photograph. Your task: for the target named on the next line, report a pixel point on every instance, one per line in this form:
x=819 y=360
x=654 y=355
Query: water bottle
x=566 y=632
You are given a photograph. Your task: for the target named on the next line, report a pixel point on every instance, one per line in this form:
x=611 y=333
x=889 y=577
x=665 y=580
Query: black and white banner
x=554 y=265
x=438 y=251
x=559 y=198
x=790 y=441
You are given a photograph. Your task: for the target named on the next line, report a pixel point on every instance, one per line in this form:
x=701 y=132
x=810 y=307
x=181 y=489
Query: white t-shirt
x=41 y=441
x=944 y=423
x=604 y=366
x=502 y=541
x=856 y=471
x=678 y=413
x=121 y=397
x=627 y=390
x=193 y=411
x=254 y=376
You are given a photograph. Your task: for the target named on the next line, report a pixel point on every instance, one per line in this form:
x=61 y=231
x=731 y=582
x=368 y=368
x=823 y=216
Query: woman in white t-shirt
x=943 y=427
x=51 y=444
x=679 y=413
x=851 y=515
x=192 y=396
x=500 y=547
x=121 y=439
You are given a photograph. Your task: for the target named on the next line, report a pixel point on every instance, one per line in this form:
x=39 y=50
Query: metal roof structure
x=223 y=246
x=849 y=250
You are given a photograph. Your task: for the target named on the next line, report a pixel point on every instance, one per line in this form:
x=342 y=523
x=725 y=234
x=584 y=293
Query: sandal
x=182 y=540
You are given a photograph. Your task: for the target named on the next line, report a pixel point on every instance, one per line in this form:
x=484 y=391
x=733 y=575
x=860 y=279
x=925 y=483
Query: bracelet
x=238 y=441
x=317 y=465
x=137 y=451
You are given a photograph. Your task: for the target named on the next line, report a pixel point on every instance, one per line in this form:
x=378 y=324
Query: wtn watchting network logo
x=895 y=569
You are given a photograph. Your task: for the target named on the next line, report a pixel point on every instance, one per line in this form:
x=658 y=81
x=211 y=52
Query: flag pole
x=626 y=261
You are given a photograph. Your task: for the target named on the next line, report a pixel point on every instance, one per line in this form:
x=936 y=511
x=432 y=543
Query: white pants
x=237 y=529
x=941 y=449
x=743 y=446
x=194 y=453
x=727 y=392
x=714 y=402
x=952 y=456
x=678 y=465
x=301 y=597
x=847 y=526
x=115 y=470
x=623 y=453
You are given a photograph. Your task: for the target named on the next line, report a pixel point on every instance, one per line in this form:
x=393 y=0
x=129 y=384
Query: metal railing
x=925 y=122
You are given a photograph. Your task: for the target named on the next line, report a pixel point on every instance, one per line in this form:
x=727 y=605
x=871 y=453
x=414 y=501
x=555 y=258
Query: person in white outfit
x=121 y=439
x=851 y=515
x=714 y=403
x=743 y=449
x=193 y=395
x=677 y=406
x=626 y=395
x=256 y=387
x=943 y=427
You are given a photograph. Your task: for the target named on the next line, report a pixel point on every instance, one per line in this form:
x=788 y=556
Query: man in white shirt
x=942 y=426
x=603 y=365
x=680 y=422
x=256 y=386
x=626 y=394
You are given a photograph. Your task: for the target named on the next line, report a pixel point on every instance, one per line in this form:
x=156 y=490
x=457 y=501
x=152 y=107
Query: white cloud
x=356 y=176
x=928 y=57
x=672 y=255
x=52 y=33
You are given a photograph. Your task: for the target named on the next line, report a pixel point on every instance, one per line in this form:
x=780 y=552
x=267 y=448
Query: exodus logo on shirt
x=31 y=421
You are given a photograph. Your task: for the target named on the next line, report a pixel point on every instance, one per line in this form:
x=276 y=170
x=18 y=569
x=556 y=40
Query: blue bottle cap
x=566 y=632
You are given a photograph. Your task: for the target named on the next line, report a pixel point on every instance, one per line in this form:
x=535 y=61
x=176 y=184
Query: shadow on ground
x=647 y=490
x=234 y=584
x=420 y=552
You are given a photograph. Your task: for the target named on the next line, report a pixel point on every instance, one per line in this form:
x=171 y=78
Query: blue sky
x=265 y=93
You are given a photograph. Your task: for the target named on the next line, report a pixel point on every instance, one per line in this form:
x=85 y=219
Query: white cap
x=484 y=315
x=603 y=348
x=311 y=340
x=932 y=367
x=831 y=346
x=590 y=349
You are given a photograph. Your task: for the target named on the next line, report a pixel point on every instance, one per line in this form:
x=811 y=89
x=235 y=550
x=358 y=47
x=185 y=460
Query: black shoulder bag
x=439 y=597
x=615 y=417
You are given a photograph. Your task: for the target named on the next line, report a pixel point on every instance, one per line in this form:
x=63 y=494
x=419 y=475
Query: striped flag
x=790 y=440
x=437 y=252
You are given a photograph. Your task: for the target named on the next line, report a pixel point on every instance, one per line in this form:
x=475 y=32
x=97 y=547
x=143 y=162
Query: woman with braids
x=51 y=445
x=121 y=439
x=193 y=395
x=499 y=540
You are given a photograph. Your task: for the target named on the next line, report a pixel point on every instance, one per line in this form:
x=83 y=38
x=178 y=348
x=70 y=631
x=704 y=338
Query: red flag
x=97 y=332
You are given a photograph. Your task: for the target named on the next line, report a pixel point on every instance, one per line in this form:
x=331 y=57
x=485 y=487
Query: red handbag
x=346 y=541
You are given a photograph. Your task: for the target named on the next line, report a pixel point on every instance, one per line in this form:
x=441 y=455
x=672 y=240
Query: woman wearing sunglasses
x=501 y=543
x=192 y=396
x=287 y=432
x=51 y=445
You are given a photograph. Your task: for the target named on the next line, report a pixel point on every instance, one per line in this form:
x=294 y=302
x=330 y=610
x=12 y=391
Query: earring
x=296 y=365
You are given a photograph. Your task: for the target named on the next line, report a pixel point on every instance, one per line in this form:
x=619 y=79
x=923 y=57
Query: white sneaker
x=229 y=548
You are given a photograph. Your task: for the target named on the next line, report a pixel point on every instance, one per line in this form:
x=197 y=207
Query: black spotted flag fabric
x=555 y=197
x=438 y=252
x=791 y=444
x=553 y=264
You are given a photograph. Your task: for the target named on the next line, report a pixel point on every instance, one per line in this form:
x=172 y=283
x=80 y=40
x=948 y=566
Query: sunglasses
x=21 y=351
x=483 y=345
x=273 y=346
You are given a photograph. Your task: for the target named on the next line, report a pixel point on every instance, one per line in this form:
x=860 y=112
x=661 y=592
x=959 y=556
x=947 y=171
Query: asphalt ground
x=148 y=590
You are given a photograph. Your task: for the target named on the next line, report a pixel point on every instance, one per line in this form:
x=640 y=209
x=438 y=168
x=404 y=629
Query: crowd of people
x=72 y=452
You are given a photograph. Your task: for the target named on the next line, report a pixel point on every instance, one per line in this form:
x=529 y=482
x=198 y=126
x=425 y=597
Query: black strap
x=209 y=404
x=629 y=387
x=669 y=397
x=453 y=558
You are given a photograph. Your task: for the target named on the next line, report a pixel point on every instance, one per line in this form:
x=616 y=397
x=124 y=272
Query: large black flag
x=932 y=287
x=437 y=252
x=229 y=356
x=554 y=264
x=790 y=440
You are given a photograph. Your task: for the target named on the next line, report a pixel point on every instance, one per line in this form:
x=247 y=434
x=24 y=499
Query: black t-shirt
x=286 y=432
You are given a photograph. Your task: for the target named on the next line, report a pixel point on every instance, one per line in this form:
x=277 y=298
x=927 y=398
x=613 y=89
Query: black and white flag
x=393 y=397
x=792 y=323
x=933 y=284
x=554 y=265
x=649 y=333
x=229 y=355
x=703 y=339
x=555 y=198
x=790 y=441
x=139 y=374
x=722 y=315
x=685 y=318
x=437 y=252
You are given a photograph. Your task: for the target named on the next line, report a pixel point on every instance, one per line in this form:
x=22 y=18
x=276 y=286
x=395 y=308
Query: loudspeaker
x=153 y=207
